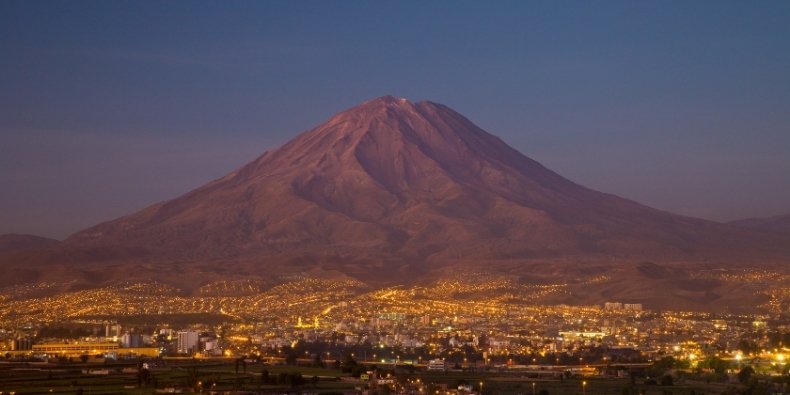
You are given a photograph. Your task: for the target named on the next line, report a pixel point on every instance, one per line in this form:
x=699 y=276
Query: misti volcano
x=394 y=191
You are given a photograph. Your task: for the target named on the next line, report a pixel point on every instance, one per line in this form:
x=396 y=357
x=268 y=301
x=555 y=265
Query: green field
x=186 y=375
x=189 y=375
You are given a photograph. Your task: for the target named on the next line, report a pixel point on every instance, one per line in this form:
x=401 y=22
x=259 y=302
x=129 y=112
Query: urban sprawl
x=387 y=337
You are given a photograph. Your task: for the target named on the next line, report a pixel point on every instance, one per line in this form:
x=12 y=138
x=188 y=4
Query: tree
x=290 y=359
x=349 y=364
x=661 y=366
x=264 y=376
x=317 y=361
x=747 y=346
x=84 y=358
x=667 y=380
x=193 y=377
x=665 y=363
x=294 y=379
x=716 y=364
x=745 y=374
x=143 y=377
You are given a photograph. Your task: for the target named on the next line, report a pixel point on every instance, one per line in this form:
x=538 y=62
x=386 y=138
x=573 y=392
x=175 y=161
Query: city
x=489 y=328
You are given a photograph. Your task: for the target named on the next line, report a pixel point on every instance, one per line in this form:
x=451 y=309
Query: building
x=91 y=349
x=633 y=306
x=75 y=348
x=112 y=330
x=437 y=365
x=22 y=344
x=617 y=306
x=188 y=342
x=132 y=340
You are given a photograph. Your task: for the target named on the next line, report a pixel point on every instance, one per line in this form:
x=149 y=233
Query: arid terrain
x=392 y=192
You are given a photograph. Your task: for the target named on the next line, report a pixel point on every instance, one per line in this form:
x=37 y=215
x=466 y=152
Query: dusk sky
x=109 y=106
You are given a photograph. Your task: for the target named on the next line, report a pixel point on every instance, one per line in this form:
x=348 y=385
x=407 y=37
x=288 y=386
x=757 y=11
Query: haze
x=106 y=107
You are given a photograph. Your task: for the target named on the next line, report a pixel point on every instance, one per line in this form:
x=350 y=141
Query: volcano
x=779 y=223
x=392 y=189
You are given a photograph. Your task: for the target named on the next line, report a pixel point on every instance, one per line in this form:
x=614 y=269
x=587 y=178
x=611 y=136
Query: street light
x=481 y=387
x=584 y=387
x=533 y=388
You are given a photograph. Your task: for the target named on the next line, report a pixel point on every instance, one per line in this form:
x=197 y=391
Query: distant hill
x=11 y=243
x=780 y=223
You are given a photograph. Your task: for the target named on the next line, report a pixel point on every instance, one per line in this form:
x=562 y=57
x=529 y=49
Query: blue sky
x=109 y=106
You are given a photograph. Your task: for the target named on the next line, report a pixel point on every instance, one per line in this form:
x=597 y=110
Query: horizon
x=108 y=108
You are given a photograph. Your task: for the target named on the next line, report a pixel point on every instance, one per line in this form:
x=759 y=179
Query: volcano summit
x=396 y=190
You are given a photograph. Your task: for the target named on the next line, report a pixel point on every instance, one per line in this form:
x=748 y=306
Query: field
x=230 y=376
x=171 y=375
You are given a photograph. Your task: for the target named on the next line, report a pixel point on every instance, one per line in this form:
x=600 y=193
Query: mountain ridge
x=15 y=242
x=777 y=223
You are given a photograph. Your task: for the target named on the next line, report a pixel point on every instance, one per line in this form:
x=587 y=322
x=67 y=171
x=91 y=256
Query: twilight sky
x=109 y=106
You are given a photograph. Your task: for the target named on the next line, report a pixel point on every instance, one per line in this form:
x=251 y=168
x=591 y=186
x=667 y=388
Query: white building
x=132 y=340
x=188 y=342
x=437 y=365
